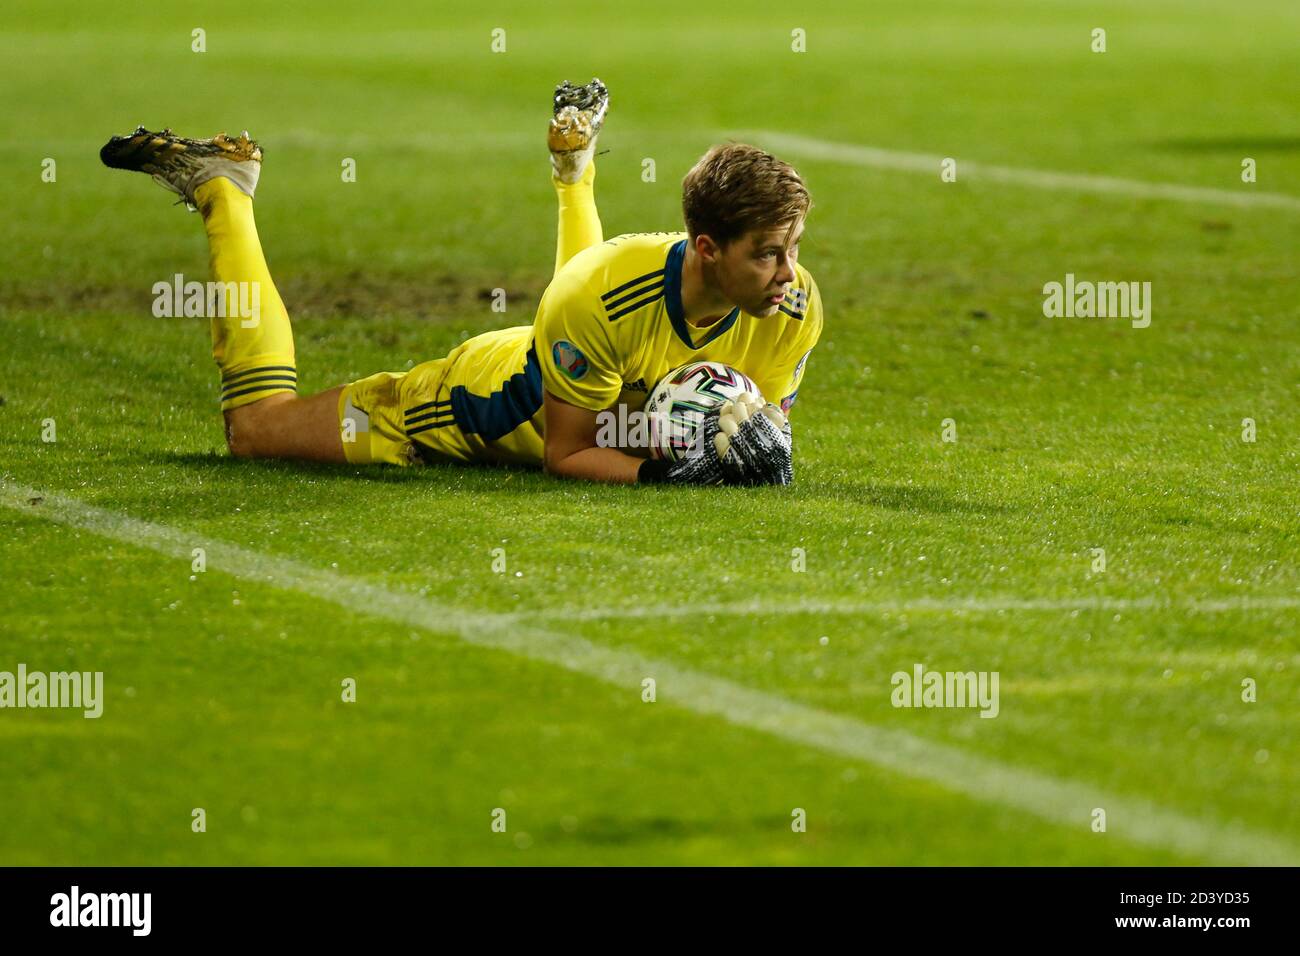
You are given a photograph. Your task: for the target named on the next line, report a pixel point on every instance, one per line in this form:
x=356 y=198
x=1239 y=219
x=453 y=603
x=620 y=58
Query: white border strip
x=878 y=158
x=1058 y=801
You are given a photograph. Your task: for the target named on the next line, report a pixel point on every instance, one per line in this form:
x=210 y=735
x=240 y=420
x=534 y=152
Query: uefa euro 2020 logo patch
x=569 y=359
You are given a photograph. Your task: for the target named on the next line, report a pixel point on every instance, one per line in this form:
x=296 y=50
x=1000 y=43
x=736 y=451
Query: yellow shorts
x=483 y=402
x=372 y=418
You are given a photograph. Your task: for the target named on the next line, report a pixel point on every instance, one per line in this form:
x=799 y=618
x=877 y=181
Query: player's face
x=755 y=270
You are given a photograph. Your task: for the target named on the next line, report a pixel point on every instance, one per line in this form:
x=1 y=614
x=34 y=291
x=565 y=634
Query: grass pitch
x=223 y=692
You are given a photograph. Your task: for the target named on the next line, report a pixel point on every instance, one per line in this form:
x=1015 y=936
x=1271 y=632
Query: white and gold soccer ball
x=683 y=397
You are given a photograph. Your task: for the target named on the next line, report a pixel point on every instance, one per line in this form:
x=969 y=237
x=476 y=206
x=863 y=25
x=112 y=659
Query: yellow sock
x=253 y=341
x=579 y=221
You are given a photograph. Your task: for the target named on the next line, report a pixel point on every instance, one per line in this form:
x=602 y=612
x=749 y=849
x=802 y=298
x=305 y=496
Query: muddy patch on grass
x=434 y=298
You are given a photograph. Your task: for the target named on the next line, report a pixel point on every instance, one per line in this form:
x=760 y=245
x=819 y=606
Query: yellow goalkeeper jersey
x=609 y=327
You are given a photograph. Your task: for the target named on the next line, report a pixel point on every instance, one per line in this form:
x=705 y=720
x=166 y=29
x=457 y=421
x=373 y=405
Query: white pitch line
x=992 y=605
x=878 y=158
x=1063 y=802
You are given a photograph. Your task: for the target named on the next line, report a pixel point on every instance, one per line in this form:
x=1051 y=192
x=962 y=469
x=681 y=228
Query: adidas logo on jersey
x=795 y=303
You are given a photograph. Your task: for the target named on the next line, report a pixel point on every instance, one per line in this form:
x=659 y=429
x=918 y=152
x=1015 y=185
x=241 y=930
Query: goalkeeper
x=617 y=316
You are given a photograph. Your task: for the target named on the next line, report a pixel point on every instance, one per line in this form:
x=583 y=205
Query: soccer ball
x=684 y=397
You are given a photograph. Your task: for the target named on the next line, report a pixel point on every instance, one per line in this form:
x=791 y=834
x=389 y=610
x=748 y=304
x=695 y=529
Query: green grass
x=1073 y=435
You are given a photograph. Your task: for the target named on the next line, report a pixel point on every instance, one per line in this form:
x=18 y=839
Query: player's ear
x=706 y=248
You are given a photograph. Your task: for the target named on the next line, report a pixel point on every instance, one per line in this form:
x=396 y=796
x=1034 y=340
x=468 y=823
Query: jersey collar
x=673 y=301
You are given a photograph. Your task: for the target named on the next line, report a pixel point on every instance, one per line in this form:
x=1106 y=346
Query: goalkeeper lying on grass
x=618 y=315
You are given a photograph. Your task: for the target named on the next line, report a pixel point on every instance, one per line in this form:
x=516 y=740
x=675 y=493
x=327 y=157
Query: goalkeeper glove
x=755 y=445
x=700 y=466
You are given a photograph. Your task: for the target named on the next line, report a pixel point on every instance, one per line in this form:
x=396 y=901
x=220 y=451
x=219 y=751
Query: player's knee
x=242 y=432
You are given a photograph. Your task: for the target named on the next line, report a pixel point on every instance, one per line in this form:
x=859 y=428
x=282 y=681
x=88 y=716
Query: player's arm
x=581 y=375
x=581 y=369
x=571 y=449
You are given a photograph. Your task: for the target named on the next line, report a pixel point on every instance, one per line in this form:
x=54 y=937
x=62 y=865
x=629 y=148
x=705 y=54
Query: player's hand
x=753 y=443
x=699 y=466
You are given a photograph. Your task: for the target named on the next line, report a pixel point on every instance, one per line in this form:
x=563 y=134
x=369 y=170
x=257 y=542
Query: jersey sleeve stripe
x=629 y=284
x=637 y=305
x=635 y=293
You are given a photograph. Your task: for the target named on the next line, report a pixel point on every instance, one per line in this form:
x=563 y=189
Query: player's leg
x=579 y=116
x=579 y=222
x=286 y=426
x=252 y=340
x=265 y=418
